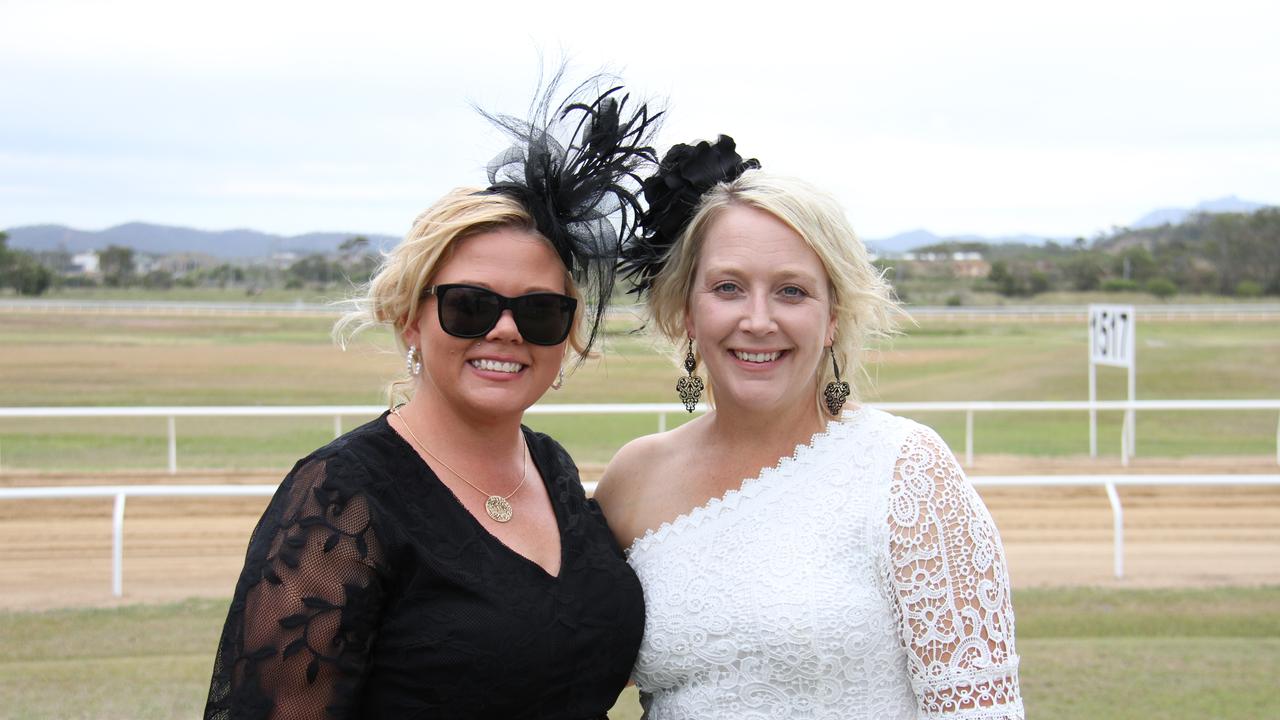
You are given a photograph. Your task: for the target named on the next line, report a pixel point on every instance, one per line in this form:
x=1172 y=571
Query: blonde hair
x=863 y=302
x=393 y=297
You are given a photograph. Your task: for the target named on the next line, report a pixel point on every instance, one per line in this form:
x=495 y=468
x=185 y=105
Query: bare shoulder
x=630 y=466
x=638 y=477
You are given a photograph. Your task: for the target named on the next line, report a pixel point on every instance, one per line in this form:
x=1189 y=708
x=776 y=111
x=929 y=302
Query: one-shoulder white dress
x=861 y=578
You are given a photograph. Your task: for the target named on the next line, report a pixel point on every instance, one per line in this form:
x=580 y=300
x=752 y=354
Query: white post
x=173 y=447
x=1117 y=519
x=1278 y=441
x=968 y=437
x=1124 y=441
x=1132 y=413
x=1093 y=409
x=337 y=425
x=117 y=547
x=662 y=427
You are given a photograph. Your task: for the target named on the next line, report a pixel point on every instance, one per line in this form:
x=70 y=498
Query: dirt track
x=57 y=553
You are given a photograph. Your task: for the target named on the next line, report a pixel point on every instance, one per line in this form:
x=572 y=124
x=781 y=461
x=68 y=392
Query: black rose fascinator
x=576 y=167
x=672 y=195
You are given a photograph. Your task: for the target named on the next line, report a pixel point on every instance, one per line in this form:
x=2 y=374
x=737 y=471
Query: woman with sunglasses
x=442 y=560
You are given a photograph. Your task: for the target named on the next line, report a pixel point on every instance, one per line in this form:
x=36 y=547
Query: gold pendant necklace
x=498 y=507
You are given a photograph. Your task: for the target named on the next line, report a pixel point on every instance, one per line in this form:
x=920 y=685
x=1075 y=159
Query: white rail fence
x=661 y=410
x=121 y=493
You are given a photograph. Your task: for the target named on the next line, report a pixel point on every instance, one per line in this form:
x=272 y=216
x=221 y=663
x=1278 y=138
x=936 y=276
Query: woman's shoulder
x=545 y=446
x=358 y=456
x=885 y=429
x=641 y=460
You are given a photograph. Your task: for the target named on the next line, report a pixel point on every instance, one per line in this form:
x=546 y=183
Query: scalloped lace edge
x=714 y=506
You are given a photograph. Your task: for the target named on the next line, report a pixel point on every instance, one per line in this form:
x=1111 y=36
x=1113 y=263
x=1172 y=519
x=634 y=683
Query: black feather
x=576 y=166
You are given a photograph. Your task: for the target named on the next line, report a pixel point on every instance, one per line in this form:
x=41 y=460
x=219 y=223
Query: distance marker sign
x=1111 y=335
x=1113 y=341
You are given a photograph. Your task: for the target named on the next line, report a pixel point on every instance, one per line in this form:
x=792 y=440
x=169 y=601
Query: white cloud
x=988 y=117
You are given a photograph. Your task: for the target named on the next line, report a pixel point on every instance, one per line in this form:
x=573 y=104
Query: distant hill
x=916 y=239
x=1174 y=216
x=166 y=239
x=246 y=244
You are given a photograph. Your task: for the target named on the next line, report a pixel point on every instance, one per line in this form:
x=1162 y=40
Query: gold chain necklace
x=497 y=506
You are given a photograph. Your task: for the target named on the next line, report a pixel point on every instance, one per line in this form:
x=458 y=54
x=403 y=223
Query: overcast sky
x=1059 y=119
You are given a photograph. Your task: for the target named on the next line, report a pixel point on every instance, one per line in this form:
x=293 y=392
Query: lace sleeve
x=951 y=586
x=307 y=605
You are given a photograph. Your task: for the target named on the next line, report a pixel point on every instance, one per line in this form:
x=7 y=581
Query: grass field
x=123 y=360
x=1117 y=654
x=1087 y=653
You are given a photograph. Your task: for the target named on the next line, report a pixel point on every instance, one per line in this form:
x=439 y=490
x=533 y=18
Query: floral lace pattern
x=306 y=621
x=861 y=578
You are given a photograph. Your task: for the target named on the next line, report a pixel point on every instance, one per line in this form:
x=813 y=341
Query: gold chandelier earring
x=837 y=391
x=691 y=386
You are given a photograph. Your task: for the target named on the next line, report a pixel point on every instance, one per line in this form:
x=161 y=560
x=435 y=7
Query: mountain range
x=908 y=241
x=247 y=244
x=242 y=244
x=1173 y=216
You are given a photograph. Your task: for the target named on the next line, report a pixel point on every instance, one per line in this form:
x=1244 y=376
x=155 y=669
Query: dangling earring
x=559 y=383
x=413 y=361
x=837 y=391
x=691 y=387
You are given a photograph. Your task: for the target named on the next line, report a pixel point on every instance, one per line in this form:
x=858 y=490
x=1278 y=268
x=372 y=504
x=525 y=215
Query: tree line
x=28 y=273
x=1233 y=254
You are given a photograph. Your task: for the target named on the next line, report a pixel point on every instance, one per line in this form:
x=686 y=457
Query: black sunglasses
x=468 y=311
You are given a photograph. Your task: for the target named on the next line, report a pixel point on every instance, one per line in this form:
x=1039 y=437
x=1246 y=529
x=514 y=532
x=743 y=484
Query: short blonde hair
x=863 y=302
x=393 y=297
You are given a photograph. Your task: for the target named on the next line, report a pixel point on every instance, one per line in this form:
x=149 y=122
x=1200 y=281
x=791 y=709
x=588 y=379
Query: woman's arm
x=308 y=602
x=951 y=588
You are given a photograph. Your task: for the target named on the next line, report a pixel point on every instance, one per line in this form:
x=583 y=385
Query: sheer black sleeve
x=308 y=602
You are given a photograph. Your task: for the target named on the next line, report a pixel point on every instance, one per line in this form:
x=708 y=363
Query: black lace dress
x=369 y=591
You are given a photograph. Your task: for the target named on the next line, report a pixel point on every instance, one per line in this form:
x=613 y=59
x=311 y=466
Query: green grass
x=135 y=360
x=200 y=294
x=1086 y=653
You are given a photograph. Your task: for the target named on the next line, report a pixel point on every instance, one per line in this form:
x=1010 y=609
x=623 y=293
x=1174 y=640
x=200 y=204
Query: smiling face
x=498 y=374
x=760 y=312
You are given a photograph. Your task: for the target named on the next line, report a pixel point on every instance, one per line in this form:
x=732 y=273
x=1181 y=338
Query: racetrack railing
x=122 y=492
x=661 y=410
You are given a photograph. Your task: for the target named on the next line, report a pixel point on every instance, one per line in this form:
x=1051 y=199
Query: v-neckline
x=556 y=511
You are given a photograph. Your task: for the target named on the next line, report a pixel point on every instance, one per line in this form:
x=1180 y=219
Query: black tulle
x=369 y=591
x=575 y=165
x=672 y=195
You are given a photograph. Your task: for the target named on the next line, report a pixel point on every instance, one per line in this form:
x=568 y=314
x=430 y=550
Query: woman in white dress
x=858 y=574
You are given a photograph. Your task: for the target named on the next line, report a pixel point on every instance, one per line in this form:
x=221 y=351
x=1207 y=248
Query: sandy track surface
x=57 y=553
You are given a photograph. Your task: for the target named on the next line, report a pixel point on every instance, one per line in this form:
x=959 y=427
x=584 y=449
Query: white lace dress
x=861 y=578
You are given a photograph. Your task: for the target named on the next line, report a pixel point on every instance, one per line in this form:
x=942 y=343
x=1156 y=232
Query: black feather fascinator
x=576 y=167
x=672 y=195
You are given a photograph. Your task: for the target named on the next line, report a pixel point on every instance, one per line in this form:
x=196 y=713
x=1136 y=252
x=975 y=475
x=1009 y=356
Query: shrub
x=1038 y=282
x=157 y=280
x=1119 y=285
x=1162 y=288
x=30 y=277
x=1248 y=289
